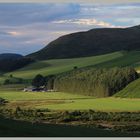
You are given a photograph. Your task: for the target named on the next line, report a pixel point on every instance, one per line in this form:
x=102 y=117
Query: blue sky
x=25 y=28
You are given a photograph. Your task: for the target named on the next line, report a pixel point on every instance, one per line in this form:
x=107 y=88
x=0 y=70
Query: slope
x=62 y=65
x=92 y=42
x=12 y=56
x=130 y=91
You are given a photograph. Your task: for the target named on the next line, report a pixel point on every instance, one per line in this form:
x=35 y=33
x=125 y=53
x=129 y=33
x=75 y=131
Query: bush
x=3 y=101
x=39 y=81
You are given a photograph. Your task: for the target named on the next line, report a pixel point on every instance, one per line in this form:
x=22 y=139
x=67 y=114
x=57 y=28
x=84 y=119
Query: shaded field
x=12 y=128
x=65 y=101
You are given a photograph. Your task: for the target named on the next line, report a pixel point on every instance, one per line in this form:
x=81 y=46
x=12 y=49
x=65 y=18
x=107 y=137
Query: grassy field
x=128 y=59
x=65 y=101
x=61 y=65
x=19 y=95
x=131 y=91
x=104 y=104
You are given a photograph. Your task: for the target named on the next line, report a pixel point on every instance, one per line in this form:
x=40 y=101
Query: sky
x=28 y=27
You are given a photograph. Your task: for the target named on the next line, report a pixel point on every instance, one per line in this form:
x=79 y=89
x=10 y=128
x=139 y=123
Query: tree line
x=93 y=82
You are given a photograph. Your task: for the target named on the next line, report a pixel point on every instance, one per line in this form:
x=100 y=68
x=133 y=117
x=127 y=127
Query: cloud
x=14 y=33
x=88 y=22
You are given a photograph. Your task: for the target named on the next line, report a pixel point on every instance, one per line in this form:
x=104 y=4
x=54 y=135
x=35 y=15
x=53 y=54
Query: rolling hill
x=90 y=43
x=55 y=66
x=47 y=67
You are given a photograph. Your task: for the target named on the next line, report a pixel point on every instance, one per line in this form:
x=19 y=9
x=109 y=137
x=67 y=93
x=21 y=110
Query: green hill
x=130 y=91
x=48 y=67
x=128 y=59
x=92 y=42
x=56 y=66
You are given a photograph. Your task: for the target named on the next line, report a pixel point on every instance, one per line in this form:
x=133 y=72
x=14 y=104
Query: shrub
x=38 y=81
x=3 y=101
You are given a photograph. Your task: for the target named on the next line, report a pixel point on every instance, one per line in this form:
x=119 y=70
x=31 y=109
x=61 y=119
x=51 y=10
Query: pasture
x=65 y=101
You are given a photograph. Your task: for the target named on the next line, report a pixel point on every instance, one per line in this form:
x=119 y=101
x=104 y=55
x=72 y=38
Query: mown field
x=65 y=101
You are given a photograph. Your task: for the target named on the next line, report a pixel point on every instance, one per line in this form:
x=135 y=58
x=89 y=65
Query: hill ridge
x=90 y=43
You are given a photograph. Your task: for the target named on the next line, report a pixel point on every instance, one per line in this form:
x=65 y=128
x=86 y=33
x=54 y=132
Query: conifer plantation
x=95 y=82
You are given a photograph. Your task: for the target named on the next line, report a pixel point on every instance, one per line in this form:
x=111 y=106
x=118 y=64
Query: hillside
x=62 y=65
x=92 y=42
x=48 y=67
x=130 y=91
x=10 y=56
x=13 y=63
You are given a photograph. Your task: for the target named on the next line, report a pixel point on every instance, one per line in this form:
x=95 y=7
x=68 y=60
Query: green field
x=19 y=95
x=65 y=101
x=128 y=59
x=104 y=104
x=48 y=67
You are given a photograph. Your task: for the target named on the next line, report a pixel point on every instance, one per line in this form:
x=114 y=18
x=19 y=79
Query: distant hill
x=10 y=62
x=12 y=56
x=92 y=42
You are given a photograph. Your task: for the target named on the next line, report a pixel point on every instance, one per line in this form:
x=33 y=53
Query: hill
x=47 y=67
x=56 y=66
x=130 y=91
x=12 y=56
x=92 y=42
x=7 y=65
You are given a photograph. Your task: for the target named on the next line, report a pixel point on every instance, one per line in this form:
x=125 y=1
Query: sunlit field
x=65 y=101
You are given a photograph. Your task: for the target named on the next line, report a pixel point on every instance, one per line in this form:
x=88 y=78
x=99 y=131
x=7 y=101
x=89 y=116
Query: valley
x=97 y=92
